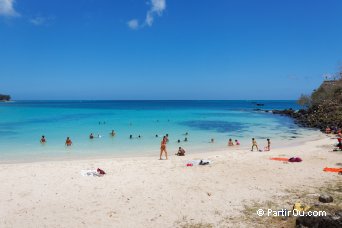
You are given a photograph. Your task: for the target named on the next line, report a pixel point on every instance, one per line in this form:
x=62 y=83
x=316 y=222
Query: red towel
x=279 y=159
x=334 y=170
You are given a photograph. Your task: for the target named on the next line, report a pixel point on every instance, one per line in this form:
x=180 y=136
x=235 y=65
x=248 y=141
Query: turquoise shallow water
x=23 y=122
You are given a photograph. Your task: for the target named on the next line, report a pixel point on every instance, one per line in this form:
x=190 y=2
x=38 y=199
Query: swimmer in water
x=68 y=142
x=91 y=136
x=212 y=140
x=43 y=140
x=112 y=133
x=186 y=139
x=178 y=141
x=157 y=136
x=130 y=136
x=230 y=142
x=237 y=142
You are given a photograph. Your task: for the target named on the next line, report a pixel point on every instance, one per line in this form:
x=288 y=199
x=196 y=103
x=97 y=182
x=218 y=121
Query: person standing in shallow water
x=230 y=142
x=254 y=144
x=43 y=140
x=68 y=142
x=268 y=147
x=163 y=148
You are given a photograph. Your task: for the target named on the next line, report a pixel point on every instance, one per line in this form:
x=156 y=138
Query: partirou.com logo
x=285 y=213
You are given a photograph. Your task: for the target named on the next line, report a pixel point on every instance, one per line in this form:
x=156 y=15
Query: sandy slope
x=146 y=192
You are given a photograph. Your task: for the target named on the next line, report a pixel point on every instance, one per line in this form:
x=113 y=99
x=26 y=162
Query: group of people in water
x=181 y=151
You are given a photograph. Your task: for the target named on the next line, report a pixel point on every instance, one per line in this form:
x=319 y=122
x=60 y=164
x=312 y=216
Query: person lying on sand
x=254 y=144
x=181 y=152
x=230 y=142
x=68 y=142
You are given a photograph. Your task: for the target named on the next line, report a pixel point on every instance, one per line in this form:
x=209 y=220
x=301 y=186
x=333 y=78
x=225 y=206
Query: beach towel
x=90 y=172
x=280 y=159
x=334 y=170
x=93 y=172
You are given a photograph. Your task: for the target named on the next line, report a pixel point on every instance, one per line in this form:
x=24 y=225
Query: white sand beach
x=147 y=192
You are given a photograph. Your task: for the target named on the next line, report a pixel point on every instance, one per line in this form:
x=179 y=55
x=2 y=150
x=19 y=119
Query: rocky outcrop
x=5 y=97
x=323 y=107
x=331 y=220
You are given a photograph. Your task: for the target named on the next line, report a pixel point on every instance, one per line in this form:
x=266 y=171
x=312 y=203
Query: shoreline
x=51 y=158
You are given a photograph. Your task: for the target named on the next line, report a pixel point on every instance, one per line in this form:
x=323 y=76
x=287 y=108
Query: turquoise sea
x=22 y=123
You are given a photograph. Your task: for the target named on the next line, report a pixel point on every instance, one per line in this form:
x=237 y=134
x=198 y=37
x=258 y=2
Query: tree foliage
x=5 y=97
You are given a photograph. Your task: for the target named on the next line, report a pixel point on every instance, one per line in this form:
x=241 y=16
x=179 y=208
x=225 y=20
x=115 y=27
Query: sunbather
x=181 y=152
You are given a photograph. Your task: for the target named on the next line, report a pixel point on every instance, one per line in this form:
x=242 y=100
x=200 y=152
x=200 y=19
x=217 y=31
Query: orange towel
x=334 y=170
x=280 y=159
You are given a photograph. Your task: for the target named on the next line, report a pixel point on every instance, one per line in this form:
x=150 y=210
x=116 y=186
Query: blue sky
x=167 y=49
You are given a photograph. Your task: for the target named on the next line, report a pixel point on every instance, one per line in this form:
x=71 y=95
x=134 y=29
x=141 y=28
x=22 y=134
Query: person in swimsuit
x=163 y=148
x=230 y=142
x=112 y=133
x=327 y=130
x=254 y=144
x=268 y=147
x=181 y=152
x=237 y=142
x=91 y=136
x=68 y=142
x=43 y=140
x=212 y=141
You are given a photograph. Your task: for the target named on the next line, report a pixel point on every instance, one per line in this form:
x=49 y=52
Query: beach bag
x=100 y=171
x=295 y=159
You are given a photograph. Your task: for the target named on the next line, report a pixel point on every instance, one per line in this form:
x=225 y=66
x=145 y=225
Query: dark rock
x=325 y=199
x=333 y=221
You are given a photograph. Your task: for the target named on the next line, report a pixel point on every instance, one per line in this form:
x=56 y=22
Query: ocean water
x=22 y=123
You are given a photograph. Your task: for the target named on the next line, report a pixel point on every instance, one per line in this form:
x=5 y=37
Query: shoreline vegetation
x=5 y=98
x=322 y=109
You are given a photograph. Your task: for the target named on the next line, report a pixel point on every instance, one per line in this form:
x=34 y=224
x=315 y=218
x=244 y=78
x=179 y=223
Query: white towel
x=90 y=172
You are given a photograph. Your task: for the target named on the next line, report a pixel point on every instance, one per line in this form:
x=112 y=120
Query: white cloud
x=38 y=20
x=133 y=24
x=156 y=9
x=7 y=9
